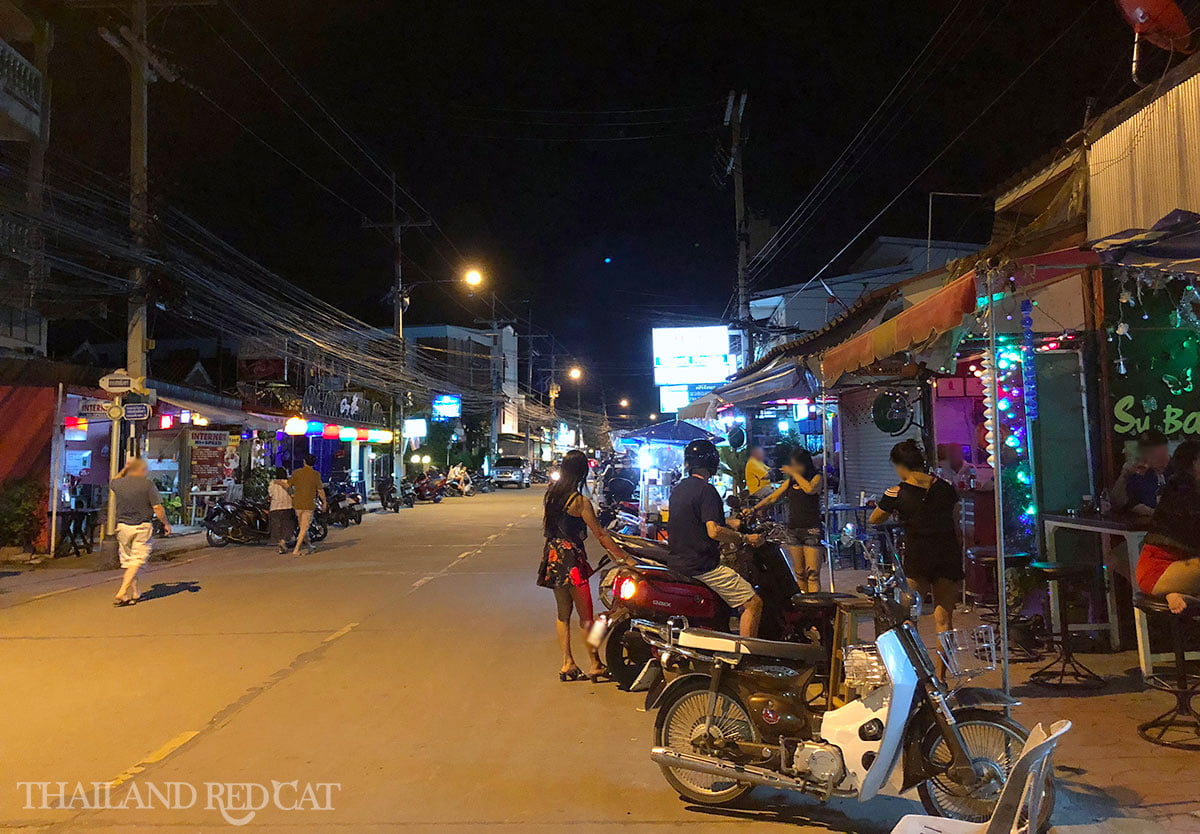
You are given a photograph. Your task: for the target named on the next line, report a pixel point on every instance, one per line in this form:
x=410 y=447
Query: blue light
x=1003 y=405
x=1012 y=442
x=608 y=260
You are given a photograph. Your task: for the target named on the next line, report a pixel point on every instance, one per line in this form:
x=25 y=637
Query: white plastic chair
x=1030 y=770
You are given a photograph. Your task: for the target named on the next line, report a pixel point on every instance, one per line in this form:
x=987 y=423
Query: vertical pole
x=57 y=446
x=743 y=242
x=1001 y=574
x=929 y=235
x=114 y=466
x=138 y=198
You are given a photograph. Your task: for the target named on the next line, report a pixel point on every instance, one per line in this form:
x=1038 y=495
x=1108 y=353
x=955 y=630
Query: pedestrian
x=695 y=530
x=1169 y=564
x=281 y=517
x=758 y=476
x=306 y=487
x=567 y=516
x=933 y=547
x=804 y=527
x=138 y=502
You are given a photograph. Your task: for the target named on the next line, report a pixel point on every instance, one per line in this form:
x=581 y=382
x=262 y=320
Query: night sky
x=489 y=113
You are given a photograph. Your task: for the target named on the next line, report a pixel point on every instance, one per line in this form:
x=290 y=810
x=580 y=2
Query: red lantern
x=330 y=432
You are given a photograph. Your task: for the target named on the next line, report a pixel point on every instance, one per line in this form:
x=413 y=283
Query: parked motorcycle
x=246 y=522
x=732 y=714
x=389 y=496
x=345 y=505
x=481 y=482
x=429 y=487
x=650 y=590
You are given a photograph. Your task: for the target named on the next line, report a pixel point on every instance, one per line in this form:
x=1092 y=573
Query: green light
x=1031 y=509
x=1023 y=477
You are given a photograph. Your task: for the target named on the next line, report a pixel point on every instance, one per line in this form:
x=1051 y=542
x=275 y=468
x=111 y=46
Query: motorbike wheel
x=675 y=726
x=437 y=499
x=993 y=741
x=215 y=539
x=318 y=530
x=358 y=518
x=410 y=503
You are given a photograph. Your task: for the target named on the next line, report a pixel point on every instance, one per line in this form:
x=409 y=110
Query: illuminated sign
x=447 y=407
x=691 y=355
x=416 y=427
x=671 y=398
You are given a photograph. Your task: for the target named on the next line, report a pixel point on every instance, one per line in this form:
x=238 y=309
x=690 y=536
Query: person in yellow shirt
x=758 y=479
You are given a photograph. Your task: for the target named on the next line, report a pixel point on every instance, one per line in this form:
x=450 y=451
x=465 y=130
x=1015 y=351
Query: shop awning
x=223 y=416
x=1172 y=244
x=942 y=311
x=782 y=379
x=704 y=408
x=675 y=433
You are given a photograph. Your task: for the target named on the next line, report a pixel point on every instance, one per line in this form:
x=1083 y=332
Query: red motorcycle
x=430 y=487
x=652 y=591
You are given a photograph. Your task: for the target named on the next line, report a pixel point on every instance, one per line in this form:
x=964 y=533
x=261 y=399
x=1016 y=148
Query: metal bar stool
x=981 y=584
x=1064 y=671
x=1181 y=721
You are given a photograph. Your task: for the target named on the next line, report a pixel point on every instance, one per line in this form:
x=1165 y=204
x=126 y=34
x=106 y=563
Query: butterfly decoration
x=1179 y=386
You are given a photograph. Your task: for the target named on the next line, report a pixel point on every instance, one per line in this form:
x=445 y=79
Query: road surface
x=402 y=678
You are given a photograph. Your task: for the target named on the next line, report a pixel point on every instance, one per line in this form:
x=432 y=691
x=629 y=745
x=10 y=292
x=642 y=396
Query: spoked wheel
x=994 y=744
x=317 y=530
x=681 y=726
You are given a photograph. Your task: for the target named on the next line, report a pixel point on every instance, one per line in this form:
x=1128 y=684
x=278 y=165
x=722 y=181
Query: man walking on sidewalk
x=138 y=502
x=306 y=486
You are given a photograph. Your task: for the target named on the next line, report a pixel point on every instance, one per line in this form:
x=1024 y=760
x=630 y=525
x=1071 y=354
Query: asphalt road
x=411 y=662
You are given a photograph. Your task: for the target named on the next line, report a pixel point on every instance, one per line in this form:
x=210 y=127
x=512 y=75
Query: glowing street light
x=575 y=373
x=473 y=277
x=415 y=459
x=624 y=403
x=653 y=417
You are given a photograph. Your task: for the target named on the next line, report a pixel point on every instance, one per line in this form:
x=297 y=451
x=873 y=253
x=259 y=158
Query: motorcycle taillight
x=624 y=587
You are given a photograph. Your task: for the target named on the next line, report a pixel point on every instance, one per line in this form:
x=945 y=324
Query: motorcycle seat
x=640 y=548
x=718 y=641
x=816 y=599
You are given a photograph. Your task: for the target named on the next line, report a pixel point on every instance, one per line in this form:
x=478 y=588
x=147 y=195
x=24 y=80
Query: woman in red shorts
x=1169 y=564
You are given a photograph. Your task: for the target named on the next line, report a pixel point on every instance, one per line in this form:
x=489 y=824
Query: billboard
x=692 y=355
x=671 y=398
x=446 y=407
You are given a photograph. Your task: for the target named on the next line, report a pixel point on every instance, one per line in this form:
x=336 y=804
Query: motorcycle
x=389 y=497
x=481 y=482
x=246 y=522
x=429 y=488
x=345 y=505
x=650 y=590
x=732 y=714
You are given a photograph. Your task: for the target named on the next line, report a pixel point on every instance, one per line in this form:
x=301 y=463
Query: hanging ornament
x=1123 y=330
x=1179 y=385
x=1149 y=404
x=1126 y=297
x=1121 y=366
x=1185 y=310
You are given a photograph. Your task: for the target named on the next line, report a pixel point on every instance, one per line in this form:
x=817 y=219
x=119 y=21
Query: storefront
x=344 y=453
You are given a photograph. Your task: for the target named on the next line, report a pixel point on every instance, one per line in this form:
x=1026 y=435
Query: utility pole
x=733 y=119
x=555 y=389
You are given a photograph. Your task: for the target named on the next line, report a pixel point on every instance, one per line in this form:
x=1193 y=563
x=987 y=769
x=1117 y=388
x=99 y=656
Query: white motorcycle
x=733 y=714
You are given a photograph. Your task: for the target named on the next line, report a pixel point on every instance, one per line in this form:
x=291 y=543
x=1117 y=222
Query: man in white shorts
x=137 y=502
x=695 y=528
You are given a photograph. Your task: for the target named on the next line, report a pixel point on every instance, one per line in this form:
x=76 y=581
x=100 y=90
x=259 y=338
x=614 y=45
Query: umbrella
x=1172 y=244
x=676 y=433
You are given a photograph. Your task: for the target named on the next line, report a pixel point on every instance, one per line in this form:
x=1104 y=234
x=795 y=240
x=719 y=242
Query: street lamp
x=624 y=403
x=653 y=417
x=575 y=373
x=473 y=277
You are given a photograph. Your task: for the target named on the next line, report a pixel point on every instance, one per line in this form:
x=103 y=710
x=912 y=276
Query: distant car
x=513 y=471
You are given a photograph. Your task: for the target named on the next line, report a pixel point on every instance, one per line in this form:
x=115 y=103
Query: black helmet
x=701 y=454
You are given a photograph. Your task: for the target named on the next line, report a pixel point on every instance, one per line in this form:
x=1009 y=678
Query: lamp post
x=576 y=375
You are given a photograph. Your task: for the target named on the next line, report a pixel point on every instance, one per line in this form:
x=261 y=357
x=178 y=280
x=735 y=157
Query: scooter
x=732 y=714
x=429 y=488
x=650 y=590
x=345 y=506
x=389 y=496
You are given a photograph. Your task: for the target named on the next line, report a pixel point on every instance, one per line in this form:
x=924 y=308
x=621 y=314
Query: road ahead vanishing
x=404 y=677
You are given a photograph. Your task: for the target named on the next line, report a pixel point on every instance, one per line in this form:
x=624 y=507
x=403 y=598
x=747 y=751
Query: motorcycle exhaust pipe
x=716 y=767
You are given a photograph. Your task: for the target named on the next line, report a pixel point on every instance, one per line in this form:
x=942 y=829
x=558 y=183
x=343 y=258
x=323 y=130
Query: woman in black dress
x=564 y=569
x=933 y=551
x=803 y=491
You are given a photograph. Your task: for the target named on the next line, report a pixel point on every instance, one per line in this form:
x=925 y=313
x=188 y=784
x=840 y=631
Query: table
x=1130 y=528
x=198 y=494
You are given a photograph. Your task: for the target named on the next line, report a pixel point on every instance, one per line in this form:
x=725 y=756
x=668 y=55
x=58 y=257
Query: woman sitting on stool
x=1169 y=564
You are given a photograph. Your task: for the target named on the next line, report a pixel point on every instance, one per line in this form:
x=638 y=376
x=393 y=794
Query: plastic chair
x=1030 y=770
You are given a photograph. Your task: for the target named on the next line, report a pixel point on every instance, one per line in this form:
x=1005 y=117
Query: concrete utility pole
x=397 y=227
x=733 y=119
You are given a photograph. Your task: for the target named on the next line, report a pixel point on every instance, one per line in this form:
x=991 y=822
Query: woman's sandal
x=121 y=603
x=595 y=677
x=573 y=675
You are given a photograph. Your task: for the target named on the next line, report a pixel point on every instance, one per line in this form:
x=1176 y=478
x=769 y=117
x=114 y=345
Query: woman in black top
x=803 y=489
x=933 y=552
x=1169 y=563
x=567 y=517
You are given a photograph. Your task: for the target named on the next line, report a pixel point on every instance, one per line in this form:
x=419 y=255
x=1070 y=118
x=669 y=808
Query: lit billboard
x=447 y=407
x=692 y=355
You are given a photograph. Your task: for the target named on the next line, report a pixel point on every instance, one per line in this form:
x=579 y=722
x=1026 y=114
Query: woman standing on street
x=803 y=489
x=567 y=517
x=282 y=518
x=933 y=551
x=137 y=501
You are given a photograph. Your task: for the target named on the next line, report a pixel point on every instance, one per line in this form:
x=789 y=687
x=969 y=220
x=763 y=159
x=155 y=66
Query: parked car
x=512 y=470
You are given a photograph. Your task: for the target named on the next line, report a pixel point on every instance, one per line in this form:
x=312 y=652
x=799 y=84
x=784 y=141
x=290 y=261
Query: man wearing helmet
x=696 y=527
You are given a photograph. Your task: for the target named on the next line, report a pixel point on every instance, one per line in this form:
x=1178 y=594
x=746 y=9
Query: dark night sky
x=444 y=92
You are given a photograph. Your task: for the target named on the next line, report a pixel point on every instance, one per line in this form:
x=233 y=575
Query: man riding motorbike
x=696 y=529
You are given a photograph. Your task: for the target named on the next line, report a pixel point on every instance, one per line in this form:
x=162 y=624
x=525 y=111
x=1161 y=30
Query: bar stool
x=1182 y=719
x=1064 y=671
x=982 y=583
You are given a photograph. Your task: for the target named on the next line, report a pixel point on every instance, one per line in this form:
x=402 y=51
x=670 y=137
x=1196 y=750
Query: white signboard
x=692 y=355
x=210 y=438
x=415 y=428
x=98 y=409
x=671 y=398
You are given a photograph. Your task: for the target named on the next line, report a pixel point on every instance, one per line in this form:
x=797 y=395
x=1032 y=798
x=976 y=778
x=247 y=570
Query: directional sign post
x=137 y=411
